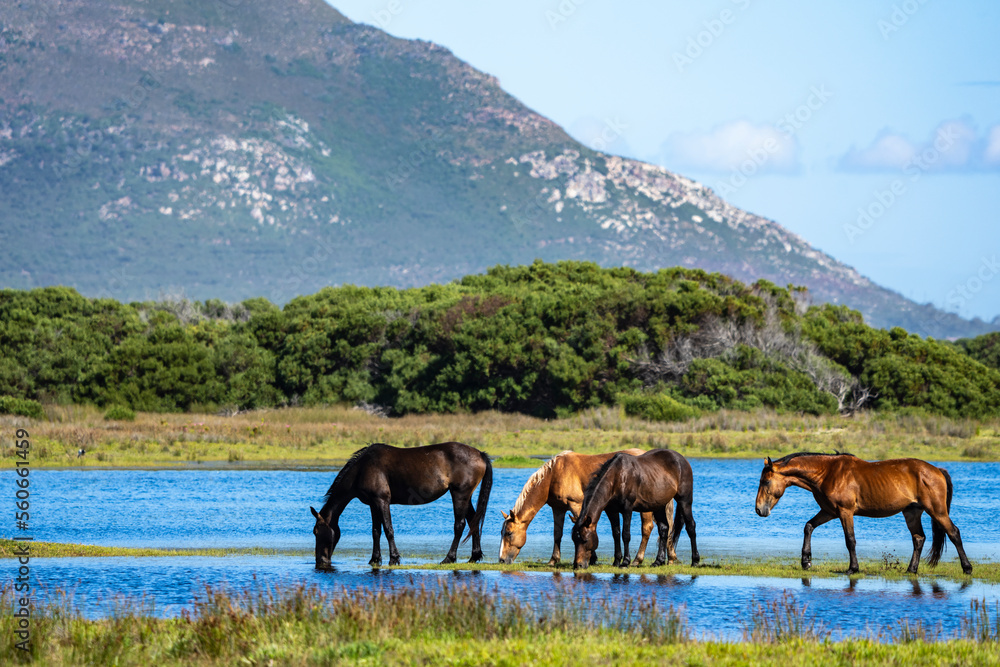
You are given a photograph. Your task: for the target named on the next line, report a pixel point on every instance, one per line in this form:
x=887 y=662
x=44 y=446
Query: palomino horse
x=646 y=483
x=844 y=485
x=560 y=484
x=380 y=475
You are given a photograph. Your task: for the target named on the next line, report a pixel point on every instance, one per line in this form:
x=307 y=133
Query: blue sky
x=872 y=129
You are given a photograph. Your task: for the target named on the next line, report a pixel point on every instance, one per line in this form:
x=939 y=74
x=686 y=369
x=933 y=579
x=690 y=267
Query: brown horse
x=380 y=475
x=560 y=484
x=844 y=486
x=646 y=483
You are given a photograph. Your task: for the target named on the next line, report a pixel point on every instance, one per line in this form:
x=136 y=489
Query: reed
x=303 y=625
x=328 y=435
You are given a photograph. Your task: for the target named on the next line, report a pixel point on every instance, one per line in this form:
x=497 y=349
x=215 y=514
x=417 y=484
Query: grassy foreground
x=327 y=436
x=463 y=626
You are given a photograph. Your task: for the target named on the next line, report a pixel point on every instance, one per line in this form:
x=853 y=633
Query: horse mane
x=347 y=469
x=535 y=478
x=789 y=457
x=595 y=480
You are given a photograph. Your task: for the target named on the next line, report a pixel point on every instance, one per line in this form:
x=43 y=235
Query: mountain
x=232 y=149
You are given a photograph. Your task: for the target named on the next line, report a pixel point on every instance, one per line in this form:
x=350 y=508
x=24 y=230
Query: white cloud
x=955 y=145
x=730 y=147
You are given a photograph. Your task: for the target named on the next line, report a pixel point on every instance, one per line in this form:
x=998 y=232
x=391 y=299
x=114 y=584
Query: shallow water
x=220 y=508
x=242 y=508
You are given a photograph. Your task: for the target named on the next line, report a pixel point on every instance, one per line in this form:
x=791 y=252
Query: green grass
x=463 y=626
x=885 y=568
x=60 y=550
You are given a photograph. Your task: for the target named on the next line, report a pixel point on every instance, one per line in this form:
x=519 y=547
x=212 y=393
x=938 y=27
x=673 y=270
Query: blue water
x=242 y=508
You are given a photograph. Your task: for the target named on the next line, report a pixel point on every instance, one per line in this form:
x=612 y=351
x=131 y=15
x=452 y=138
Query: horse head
x=585 y=539
x=327 y=537
x=513 y=535
x=772 y=487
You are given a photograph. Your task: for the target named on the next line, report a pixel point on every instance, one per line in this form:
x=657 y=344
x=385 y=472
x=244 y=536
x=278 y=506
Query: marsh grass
x=61 y=550
x=788 y=568
x=457 y=624
x=328 y=436
x=781 y=620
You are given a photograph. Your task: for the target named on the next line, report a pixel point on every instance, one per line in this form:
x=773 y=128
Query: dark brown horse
x=380 y=475
x=646 y=483
x=560 y=484
x=844 y=486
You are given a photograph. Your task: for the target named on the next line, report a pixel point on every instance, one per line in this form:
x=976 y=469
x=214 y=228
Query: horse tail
x=479 y=518
x=678 y=523
x=937 y=529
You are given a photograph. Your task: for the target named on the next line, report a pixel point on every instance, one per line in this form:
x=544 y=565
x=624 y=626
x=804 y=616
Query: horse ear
x=505 y=517
x=315 y=513
x=767 y=462
x=583 y=523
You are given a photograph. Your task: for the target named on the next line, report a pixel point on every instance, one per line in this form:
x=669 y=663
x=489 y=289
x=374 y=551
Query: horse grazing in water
x=844 y=486
x=646 y=483
x=560 y=484
x=380 y=475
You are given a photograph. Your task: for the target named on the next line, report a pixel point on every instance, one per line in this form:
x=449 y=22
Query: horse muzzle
x=763 y=510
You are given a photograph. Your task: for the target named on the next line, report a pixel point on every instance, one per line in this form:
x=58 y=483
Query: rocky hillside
x=237 y=148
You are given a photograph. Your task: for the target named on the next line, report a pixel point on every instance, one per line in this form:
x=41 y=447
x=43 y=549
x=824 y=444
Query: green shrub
x=656 y=407
x=25 y=407
x=120 y=413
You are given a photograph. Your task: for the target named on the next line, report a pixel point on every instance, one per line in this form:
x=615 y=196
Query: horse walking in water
x=646 y=483
x=560 y=484
x=844 y=486
x=380 y=475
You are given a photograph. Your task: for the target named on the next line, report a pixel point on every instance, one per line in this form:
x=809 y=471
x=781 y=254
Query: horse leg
x=812 y=524
x=647 y=530
x=956 y=538
x=558 y=518
x=616 y=534
x=685 y=506
x=847 y=521
x=626 y=535
x=459 y=503
x=912 y=516
x=390 y=535
x=668 y=513
x=477 y=544
x=376 y=535
x=664 y=545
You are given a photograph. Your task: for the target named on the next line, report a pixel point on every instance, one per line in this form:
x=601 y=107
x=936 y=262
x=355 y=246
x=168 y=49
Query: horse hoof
x=616 y=562
x=625 y=563
x=967 y=570
x=448 y=560
x=695 y=561
x=806 y=564
x=394 y=561
x=375 y=562
x=476 y=558
x=911 y=570
x=657 y=563
x=553 y=562
x=852 y=570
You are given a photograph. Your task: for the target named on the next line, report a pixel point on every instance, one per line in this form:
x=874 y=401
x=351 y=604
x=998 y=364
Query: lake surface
x=268 y=508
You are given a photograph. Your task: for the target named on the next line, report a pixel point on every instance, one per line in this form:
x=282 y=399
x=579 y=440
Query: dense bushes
x=545 y=339
x=24 y=407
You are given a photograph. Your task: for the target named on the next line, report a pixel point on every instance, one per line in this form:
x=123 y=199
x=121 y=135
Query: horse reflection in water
x=380 y=475
x=560 y=484
x=844 y=486
x=646 y=483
